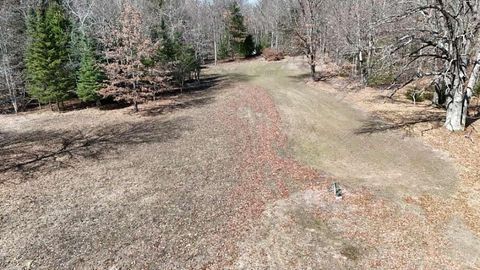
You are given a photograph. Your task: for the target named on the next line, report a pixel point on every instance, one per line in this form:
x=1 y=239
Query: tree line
x=124 y=50
x=386 y=43
x=131 y=50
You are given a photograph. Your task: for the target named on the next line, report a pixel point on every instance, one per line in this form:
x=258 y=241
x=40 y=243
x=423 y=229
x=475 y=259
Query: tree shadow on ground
x=206 y=83
x=181 y=103
x=319 y=76
x=381 y=123
x=240 y=78
x=194 y=94
x=44 y=151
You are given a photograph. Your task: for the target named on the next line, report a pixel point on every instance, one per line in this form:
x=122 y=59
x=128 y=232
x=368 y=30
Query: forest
x=130 y=50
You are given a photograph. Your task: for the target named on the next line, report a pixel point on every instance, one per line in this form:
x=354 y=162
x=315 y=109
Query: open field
x=233 y=176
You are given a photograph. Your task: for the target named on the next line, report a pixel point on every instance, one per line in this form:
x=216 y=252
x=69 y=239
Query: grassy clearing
x=207 y=180
x=390 y=217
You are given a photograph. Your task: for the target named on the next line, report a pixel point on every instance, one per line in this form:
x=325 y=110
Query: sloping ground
x=207 y=181
x=389 y=217
x=173 y=188
x=424 y=122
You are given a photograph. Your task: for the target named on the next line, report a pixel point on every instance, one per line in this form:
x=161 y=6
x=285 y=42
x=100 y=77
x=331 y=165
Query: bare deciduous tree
x=448 y=33
x=308 y=25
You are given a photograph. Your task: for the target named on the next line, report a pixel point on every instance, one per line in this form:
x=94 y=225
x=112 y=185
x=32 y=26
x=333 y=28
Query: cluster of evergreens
x=237 y=41
x=180 y=58
x=62 y=61
x=52 y=74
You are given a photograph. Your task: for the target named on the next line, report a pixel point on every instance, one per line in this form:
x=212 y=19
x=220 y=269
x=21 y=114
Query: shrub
x=476 y=90
x=380 y=78
x=414 y=94
x=249 y=46
x=345 y=70
x=272 y=55
x=428 y=95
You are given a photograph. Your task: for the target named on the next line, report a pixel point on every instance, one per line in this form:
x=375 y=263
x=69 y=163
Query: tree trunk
x=369 y=60
x=439 y=96
x=272 y=40
x=312 y=71
x=474 y=76
x=457 y=111
x=215 y=47
x=361 y=67
x=276 y=40
x=135 y=106
x=457 y=103
x=10 y=85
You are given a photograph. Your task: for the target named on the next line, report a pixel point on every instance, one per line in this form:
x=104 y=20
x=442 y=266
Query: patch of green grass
x=415 y=94
x=476 y=90
x=380 y=78
x=428 y=95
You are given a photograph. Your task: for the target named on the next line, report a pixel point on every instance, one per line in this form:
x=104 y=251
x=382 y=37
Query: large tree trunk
x=457 y=103
x=474 y=76
x=457 y=111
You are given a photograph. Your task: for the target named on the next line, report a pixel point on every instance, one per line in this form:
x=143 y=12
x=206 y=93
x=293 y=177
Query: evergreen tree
x=180 y=58
x=249 y=46
x=237 y=30
x=187 y=62
x=89 y=75
x=50 y=78
x=170 y=46
x=37 y=57
x=224 y=50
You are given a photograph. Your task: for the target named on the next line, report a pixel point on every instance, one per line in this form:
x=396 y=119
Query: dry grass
x=206 y=180
x=425 y=122
x=397 y=211
x=458 y=214
x=174 y=187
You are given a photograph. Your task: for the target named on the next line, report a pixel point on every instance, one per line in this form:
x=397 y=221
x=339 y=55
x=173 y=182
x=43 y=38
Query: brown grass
x=174 y=187
x=395 y=187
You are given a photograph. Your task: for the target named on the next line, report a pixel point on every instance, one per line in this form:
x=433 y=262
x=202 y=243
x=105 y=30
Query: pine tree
x=89 y=75
x=224 y=50
x=170 y=46
x=237 y=30
x=50 y=77
x=178 y=57
x=37 y=58
x=249 y=46
x=186 y=63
